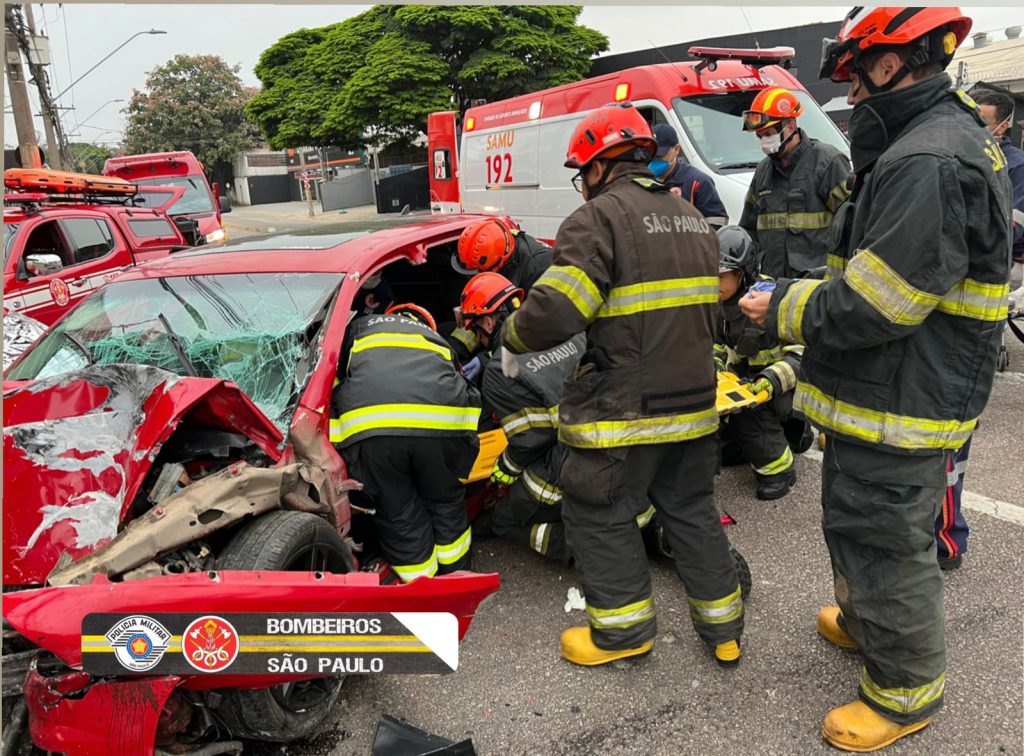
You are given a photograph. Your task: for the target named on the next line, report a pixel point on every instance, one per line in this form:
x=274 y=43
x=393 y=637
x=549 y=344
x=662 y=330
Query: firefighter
x=745 y=349
x=405 y=422
x=796 y=189
x=494 y=244
x=683 y=179
x=901 y=351
x=637 y=270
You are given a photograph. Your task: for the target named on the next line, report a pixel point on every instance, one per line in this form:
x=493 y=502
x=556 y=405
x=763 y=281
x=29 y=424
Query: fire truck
x=506 y=157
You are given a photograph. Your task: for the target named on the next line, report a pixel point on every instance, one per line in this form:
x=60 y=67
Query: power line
x=67 y=49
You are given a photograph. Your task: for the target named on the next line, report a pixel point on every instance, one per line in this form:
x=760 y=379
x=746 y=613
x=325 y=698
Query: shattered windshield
x=196 y=198
x=714 y=123
x=258 y=330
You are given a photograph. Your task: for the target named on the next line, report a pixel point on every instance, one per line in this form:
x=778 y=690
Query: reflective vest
x=400 y=380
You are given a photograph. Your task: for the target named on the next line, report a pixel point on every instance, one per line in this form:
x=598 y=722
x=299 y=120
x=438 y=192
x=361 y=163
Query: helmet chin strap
x=877 y=89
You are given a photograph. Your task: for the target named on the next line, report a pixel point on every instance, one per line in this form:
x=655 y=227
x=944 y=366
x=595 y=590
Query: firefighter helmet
x=608 y=132
x=486 y=294
x=935 y=31
x=484 y=245
x=771 y=106
x=413 y=312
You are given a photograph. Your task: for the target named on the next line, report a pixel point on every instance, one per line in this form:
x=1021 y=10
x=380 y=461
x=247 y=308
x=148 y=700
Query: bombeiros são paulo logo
x=139 y=642
x=210 y=644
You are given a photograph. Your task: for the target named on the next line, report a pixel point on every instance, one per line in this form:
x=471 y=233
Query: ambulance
x=510 y=158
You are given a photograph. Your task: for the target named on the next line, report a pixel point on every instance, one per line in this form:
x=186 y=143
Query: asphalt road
x=513 y=694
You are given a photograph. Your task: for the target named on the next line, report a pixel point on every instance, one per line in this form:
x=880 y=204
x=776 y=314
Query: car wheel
x=295 y=542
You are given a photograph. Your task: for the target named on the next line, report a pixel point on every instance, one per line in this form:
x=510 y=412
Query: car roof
x=314 y=252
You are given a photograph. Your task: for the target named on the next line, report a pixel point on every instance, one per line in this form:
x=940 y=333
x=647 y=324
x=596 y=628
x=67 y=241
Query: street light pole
x=137 y=34
x=86 y=119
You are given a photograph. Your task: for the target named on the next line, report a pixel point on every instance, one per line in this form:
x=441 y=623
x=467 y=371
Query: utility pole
x=53 y=147
x=19 y=95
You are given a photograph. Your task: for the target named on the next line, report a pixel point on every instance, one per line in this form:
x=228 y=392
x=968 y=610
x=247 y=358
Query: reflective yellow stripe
x=766 y=356
x=507 y=464
x=901 y=431
x=540 y=537
x=511 y=336
x=450 y=553
x=500 y=476
x=780 y=465
x=834 y=266
x=409 y=572
x=645 y=430
x=973 y=299
x=624 y=616
x=644 y=518
x=887 y=291
x=542 y=491
x=791 y=310
x=785 y=374
x=903 y=700
x=719 y=611
x=422 y=416
x=467 y=338
x=529 y=417
x=576 y=286
x=793 y=221
x=399 y=341
x=659 y=295
x=839 y=194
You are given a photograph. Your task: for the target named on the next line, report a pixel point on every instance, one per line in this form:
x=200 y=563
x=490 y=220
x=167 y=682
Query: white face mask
x=993 y=129
x=771 y=144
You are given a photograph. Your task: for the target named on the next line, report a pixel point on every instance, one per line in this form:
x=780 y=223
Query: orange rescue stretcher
x=734 y=395
x=64 y=182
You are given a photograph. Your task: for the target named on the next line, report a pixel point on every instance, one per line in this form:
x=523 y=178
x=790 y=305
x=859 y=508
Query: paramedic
x=683 y=179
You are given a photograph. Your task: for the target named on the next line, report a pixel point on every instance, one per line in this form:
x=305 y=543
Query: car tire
x=297 y=542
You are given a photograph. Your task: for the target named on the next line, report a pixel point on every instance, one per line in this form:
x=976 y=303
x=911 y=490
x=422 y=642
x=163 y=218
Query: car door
x=90 y=251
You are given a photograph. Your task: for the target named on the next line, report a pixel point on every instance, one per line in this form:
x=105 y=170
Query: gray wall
x=349 y=189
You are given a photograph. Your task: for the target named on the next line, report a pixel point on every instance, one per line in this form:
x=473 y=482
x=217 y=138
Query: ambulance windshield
x=714 y=124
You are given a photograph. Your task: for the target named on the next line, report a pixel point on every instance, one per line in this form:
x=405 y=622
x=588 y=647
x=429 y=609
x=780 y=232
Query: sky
x=82 y=34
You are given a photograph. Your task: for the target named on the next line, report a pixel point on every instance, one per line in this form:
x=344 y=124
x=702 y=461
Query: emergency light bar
x=709 y=56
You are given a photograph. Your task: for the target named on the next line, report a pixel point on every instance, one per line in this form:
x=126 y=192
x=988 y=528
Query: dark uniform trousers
x=879 y=516
x=419 y=499
x=761 y=438
x=520 y=519
x=604 y=491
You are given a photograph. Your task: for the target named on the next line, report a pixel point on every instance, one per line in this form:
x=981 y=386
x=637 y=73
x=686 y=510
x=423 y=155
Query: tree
x=195 y=103
x=375 y=77
x=88 y=158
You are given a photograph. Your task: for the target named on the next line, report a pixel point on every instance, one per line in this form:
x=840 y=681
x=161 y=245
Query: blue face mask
x=658 y=167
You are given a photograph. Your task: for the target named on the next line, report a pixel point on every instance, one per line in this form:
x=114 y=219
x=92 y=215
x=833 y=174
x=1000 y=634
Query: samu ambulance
x=511 y=153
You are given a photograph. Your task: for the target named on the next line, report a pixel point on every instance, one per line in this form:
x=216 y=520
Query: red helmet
x=413 y=312
x=937 y=31
x=607 y=132
x=771 y=106
x=486 y=293
x=484 y=245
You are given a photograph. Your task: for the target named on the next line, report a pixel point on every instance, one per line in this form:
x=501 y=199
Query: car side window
x=90 y=238
x=45 y=239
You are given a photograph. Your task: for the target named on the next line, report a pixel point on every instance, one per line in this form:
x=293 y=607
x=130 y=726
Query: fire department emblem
x=210 y=644
x=139 y=642
x=783 y=106
x=60 y=292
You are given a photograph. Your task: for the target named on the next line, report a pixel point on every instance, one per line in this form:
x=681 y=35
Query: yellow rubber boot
x=829 y=629
x=578 y=648
x=728 y=654
x=857 y=727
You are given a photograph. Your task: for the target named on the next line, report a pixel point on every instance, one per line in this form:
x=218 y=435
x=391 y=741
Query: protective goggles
x=754 y=120
x=832 y=51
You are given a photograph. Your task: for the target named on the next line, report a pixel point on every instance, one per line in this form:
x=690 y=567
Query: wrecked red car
x=166 y=451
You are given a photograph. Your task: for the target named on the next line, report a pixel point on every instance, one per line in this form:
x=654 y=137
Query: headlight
x=219 y=235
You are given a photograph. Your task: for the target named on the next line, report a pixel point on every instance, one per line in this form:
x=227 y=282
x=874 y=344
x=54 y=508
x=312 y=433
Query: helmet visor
x=755 y=119
x=832 y=50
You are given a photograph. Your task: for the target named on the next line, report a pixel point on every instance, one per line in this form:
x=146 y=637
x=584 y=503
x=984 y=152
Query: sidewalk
x=292 y=216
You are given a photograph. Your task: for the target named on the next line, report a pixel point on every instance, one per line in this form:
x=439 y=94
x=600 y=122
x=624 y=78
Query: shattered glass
x=256 y=330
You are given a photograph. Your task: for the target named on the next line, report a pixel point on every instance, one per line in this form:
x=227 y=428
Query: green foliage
x=195 y=103
x=88 y=158
x=375 y=77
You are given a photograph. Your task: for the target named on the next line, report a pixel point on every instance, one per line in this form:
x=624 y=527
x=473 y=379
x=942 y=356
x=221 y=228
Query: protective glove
x=763 y=384
x=472 y=368
x=509 y=365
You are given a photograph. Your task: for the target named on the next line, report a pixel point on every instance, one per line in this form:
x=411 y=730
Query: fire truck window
x=46 y=239
x=90 y=237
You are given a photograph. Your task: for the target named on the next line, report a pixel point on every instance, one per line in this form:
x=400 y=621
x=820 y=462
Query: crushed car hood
x=78 y=447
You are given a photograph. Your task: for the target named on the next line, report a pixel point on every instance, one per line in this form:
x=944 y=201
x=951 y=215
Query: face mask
x=868 y=136
x=993 y=129
x=771 y=144
x=658 y=167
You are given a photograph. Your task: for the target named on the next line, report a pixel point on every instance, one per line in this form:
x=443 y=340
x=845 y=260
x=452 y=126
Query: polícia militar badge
x=139 y=642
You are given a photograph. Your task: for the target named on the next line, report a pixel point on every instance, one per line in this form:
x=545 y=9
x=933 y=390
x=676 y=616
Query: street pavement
x=513 y=694
x=279 y=217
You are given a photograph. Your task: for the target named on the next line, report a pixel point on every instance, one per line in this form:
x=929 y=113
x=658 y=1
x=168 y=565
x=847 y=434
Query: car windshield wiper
x=81 y=348
x=727 y=166
x=176 y=343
